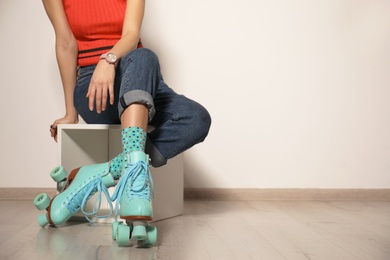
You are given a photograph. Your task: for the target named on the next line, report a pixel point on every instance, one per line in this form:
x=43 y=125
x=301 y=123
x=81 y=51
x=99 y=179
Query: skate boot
x=75 y=191
x=134 y=191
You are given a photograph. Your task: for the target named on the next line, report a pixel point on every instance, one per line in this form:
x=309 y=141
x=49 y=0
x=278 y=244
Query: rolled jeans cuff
x=137 y=97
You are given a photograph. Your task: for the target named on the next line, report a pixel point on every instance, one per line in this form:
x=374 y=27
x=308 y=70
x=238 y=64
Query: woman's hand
x=101 y=86
x=67 y=119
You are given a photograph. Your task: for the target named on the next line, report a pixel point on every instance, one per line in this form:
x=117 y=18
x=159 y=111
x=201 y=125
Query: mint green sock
x=116 y=166
x=133 y=139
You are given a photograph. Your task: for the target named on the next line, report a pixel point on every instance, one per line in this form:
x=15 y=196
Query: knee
x=141 y=56
x=201 y=122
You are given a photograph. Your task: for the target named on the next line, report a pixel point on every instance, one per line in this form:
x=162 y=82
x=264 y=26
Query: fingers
x=111 y=90
x=101 y=88
x=91 y=98
x=104 y=100
x=105 y=95
x=99 y=97
x=67 y=119
x=53 y=131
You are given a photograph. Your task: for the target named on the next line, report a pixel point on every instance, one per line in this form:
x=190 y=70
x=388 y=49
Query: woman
x=108 y=78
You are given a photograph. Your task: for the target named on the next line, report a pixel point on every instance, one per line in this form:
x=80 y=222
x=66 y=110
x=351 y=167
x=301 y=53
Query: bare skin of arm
x=66 y=52
x=102 y=83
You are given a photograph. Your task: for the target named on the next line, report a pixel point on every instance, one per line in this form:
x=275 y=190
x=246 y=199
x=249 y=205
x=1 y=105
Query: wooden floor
x=214 y=230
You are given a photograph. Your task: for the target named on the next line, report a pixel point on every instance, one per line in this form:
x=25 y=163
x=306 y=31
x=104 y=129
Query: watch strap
x=104 y=57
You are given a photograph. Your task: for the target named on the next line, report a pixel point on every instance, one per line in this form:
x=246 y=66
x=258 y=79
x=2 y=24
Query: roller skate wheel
x=151 y=238
x=114 y=229
x=42 y=201
x=139 y=233
x=123 y=235
x=42 y=220
x=58 y=174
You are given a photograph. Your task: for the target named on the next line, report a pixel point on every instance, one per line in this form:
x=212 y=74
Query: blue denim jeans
x=178 y=122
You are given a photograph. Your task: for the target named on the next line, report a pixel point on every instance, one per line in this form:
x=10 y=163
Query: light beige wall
x=298 y=90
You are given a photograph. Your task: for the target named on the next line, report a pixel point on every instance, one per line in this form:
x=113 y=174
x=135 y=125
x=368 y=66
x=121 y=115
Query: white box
x=83 y=144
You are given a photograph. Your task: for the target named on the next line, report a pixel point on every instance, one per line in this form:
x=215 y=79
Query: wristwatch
x=110 y=58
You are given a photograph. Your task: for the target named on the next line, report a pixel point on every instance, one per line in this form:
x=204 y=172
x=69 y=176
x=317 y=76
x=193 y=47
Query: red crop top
x=97 y=26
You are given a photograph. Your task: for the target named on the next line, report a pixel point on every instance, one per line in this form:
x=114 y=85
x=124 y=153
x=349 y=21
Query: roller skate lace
x=135 y=183
x=80 y=197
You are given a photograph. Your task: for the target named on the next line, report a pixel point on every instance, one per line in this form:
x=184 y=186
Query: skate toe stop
x=42 y=220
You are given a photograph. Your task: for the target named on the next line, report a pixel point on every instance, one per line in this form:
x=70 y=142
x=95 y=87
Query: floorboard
x=214 y=230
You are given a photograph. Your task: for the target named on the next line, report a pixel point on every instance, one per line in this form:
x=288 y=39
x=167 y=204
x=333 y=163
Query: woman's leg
x=138 y=74
x=179 y=123
x=138 y=71
x=135 y=85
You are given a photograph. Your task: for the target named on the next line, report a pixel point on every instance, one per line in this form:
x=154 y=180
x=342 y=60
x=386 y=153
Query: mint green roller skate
x=75 y=190
x=134 y=192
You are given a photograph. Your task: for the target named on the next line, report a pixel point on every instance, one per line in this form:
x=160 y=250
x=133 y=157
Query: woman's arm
x=66 y=52
x=102 y=82
x=131 y=28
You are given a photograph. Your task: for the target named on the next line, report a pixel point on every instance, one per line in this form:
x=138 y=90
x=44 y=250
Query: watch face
x=111 y=58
